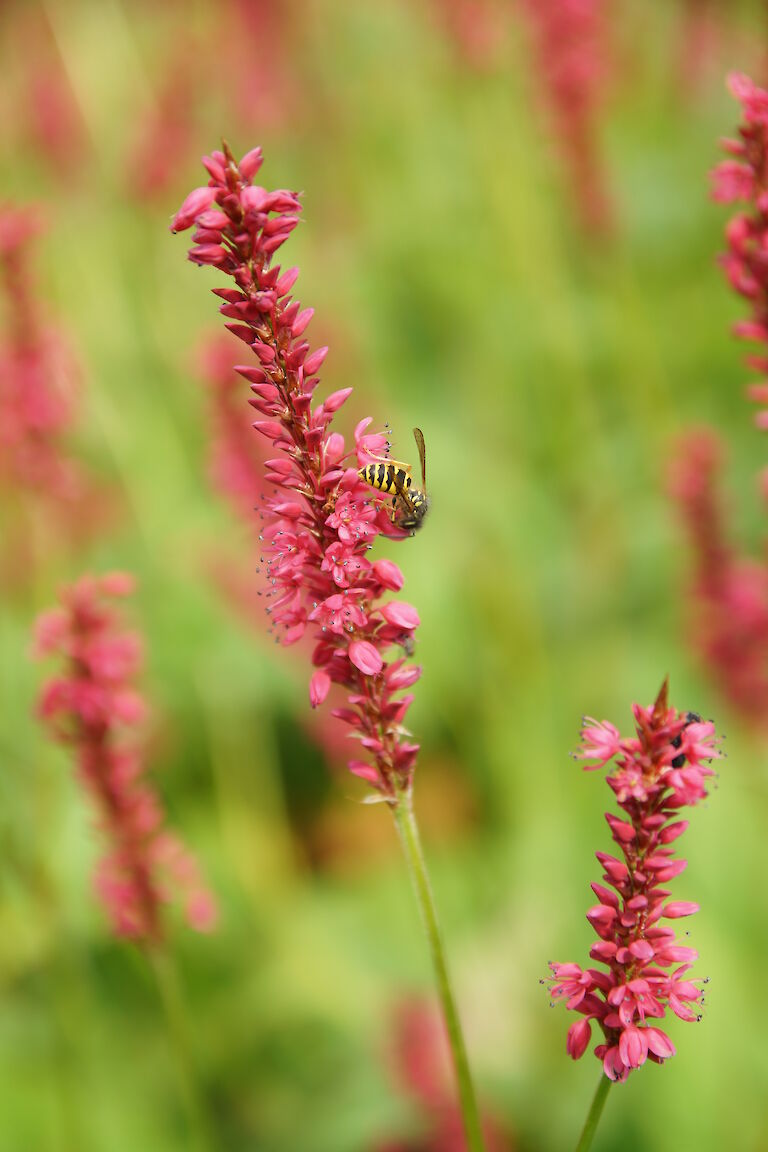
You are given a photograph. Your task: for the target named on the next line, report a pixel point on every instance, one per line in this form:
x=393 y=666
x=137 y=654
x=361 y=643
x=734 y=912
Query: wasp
x=690 y=718
x=409 y=504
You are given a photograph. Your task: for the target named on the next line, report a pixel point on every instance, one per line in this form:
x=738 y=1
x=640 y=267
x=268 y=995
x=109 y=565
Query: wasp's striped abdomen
x=386 y=477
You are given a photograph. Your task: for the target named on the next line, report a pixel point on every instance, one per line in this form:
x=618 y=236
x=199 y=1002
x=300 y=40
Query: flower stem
x=169 y=989
x=405 y=821
x=593 y=1117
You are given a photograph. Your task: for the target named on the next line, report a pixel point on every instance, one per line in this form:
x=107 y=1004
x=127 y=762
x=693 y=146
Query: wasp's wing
x=403 y=494
x=418 y=436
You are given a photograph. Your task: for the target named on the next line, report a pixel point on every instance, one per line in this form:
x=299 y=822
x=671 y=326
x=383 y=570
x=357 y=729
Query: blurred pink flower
x=320 y=524
x=166 y=129
x=271 y=94
x=421 y=1070
x=658 y=772
x=744 y=177
x=92 y=706
x=729 y=593
x=38 y=374
x=570 y=49
x=474 y=27
x=42 y=113
x=236 y=455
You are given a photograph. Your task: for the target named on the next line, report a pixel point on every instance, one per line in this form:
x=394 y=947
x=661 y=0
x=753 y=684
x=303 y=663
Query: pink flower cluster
x=90 y=707
x=745 y=178
x=729 y=593
x=37 y=374
x=657 y=773
x=570 y=51
x=322 y=520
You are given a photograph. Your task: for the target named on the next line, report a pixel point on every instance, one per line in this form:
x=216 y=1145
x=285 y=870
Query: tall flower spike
x=744 y=178
x=38 y=376
x=322 y=521
x=728 y=591
x=658 y=772
x=93 y=707
x=570 y=53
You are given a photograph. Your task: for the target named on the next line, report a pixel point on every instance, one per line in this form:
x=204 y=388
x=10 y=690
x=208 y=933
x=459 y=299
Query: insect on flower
x=690 y=718
x=409 y=505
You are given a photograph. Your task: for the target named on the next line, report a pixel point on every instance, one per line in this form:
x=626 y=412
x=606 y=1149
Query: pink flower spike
x=745 y=180
x=632 y=986
x=93 y=709
x=319 y=516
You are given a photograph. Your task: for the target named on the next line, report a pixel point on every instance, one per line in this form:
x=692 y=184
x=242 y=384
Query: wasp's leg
x=388 y=460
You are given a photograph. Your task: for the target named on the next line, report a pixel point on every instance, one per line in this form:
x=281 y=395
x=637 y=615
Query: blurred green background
x=551 y=370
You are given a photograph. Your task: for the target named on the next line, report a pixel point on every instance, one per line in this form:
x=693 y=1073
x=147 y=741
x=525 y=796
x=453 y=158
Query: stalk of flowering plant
x=744 y=178
x=93 y=708
x=658 y=772
x=322 y=520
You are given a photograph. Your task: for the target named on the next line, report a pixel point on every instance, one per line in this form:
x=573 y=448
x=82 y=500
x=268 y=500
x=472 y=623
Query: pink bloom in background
x=421 y=1070
x=703 y=33
x=729 y=593
x=474 y=27
x=236 y=455
x=166 y=130
x=744 y=178
x=570 y=51
x=644 y=970
x=93 y=707
x=38 y=376
x=271 y=95
x=38 y=106
x=322 y=520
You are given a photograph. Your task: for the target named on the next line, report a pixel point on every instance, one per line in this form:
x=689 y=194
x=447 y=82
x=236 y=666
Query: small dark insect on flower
x=409 y=505
x=690 y=718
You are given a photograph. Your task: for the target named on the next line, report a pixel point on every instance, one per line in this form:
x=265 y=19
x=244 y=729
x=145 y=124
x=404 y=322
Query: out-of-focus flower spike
x=93 y=708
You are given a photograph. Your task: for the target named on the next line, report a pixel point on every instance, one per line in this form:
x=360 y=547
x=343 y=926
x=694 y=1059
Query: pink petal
x=198 y=201
x=336 y=399
x=677 y=908
x=365 y=657
x=319 y=686
x=402 y=615
x=250 y=163
x=633 y=1047
x=659 y=1043
x=579 y=1035
x=365 y=772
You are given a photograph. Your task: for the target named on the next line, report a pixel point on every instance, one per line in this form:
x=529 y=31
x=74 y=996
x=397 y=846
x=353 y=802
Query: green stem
x=407 y=828
x=172 y=1000
x=593 y=1117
